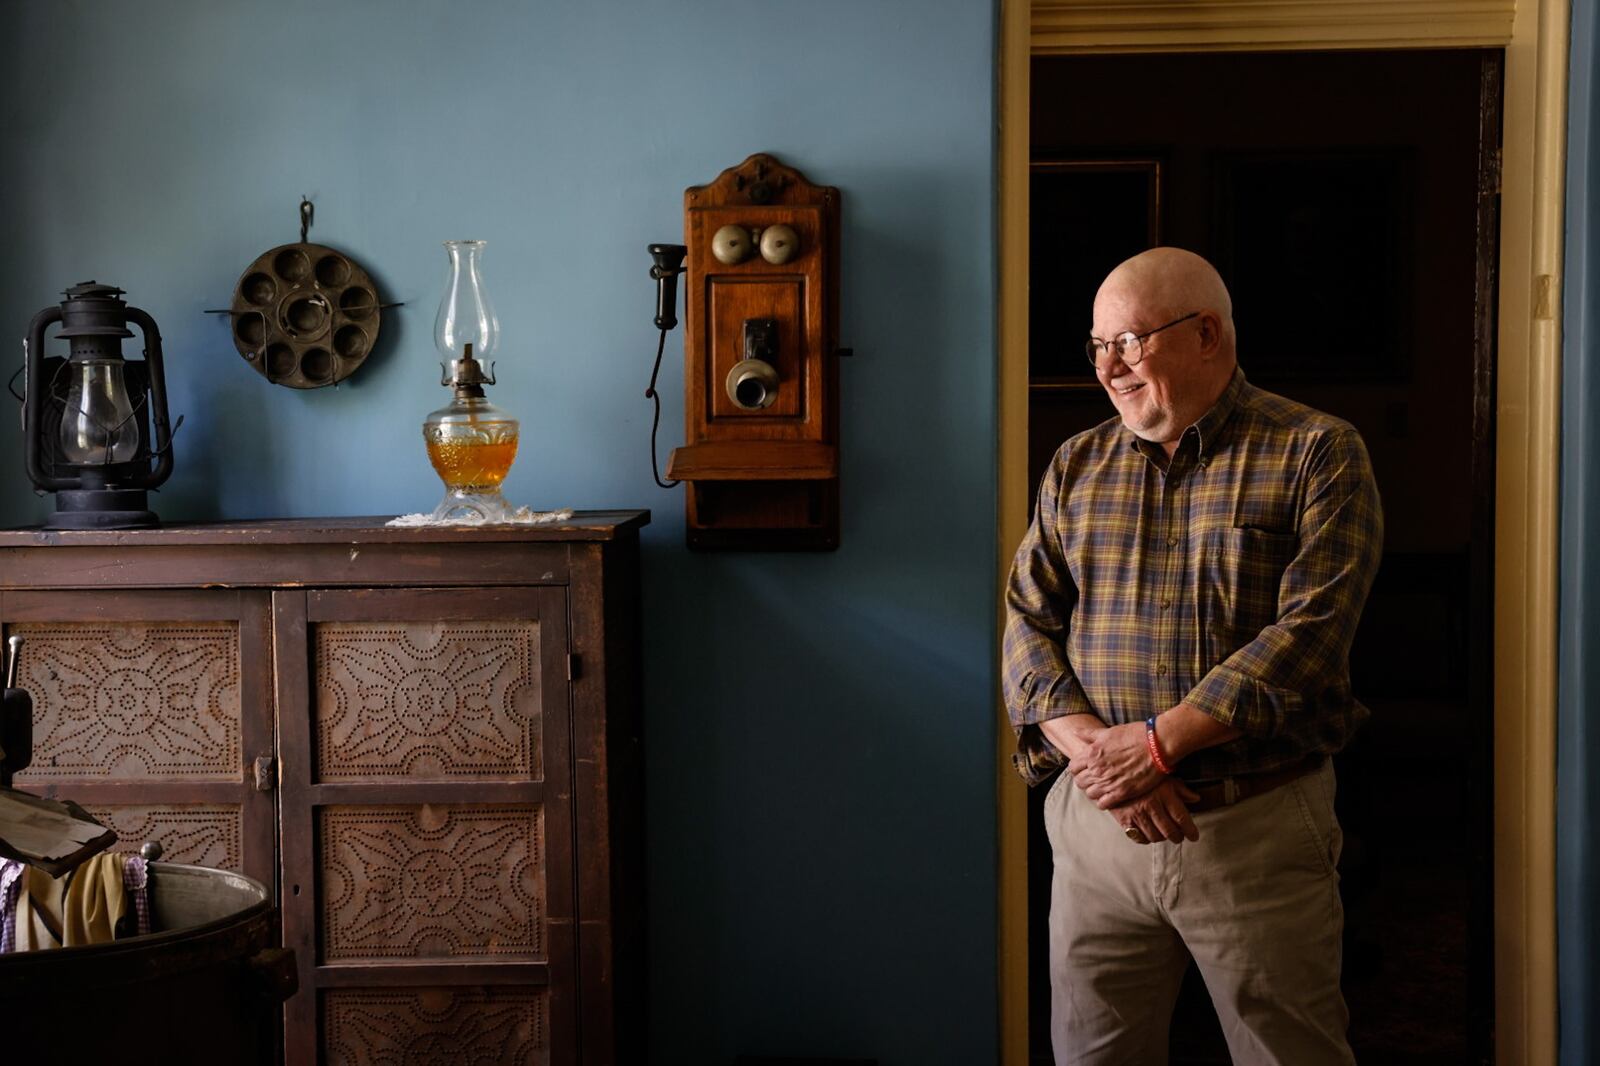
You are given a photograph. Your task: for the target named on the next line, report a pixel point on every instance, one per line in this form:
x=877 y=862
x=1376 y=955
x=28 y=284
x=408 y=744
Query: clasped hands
x=1112 y=765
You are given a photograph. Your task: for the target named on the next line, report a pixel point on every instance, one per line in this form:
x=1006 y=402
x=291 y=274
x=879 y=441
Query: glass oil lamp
x=471 y=442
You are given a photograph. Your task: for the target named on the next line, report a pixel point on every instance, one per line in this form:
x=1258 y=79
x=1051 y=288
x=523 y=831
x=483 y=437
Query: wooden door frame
x=1528 y=408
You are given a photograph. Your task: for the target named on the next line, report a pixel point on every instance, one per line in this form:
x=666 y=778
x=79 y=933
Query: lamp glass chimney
x=465 y=314
x=97 y=423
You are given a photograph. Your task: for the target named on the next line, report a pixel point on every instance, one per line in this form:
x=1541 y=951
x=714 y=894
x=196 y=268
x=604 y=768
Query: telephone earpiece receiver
x=669 y=264
x=761 y=372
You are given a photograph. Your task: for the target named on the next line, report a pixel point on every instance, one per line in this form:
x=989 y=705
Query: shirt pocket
x=1238 y=575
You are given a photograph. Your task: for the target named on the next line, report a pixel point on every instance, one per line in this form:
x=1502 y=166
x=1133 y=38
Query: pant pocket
x=1323 y=837
x=1055 y=807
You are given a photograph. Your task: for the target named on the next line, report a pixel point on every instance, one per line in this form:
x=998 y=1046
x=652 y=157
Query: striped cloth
x=11 y=872
x=135 y=879
x=1231 y=581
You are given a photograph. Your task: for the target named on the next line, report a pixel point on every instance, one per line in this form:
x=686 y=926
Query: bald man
x=1178 y=627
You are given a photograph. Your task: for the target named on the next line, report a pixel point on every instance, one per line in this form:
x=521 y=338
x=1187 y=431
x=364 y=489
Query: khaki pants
x=1255 y=901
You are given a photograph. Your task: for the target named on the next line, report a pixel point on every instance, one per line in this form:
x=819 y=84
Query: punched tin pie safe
x=425 y=739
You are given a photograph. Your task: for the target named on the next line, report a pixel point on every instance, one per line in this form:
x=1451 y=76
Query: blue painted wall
x=822 y=850
x=1578 y=750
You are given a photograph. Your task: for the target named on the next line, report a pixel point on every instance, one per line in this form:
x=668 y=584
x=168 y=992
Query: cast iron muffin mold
x=304 y=315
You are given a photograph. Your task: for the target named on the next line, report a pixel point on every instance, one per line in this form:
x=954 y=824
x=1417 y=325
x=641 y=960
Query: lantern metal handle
x=161 y=446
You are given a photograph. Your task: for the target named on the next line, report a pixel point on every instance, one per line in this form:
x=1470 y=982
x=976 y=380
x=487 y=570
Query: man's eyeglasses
x=1129 y=347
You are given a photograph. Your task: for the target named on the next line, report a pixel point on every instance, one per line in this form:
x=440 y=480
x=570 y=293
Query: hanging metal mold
x=305 y=315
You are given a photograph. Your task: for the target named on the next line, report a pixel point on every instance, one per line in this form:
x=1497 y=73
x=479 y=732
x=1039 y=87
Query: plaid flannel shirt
x=1231 y=581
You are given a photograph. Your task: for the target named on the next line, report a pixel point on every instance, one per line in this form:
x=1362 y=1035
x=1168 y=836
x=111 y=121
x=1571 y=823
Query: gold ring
x=1133 y=834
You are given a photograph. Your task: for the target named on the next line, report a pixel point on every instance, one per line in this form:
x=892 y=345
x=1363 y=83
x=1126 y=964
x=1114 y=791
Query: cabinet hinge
x=266 y=773
x=574 y=667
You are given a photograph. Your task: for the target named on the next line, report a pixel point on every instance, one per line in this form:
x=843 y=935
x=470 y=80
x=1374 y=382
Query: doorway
x=1348 y=199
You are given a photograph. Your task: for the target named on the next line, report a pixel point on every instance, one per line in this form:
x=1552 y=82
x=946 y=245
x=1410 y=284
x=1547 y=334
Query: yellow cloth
x=95 y=900
x=85 y=913
x=39 y=911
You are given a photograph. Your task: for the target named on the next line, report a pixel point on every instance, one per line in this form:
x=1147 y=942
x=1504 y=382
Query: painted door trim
x=1069 y=26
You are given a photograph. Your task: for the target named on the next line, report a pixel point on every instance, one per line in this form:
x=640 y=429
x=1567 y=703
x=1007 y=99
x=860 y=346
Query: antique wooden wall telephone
x=761 y=375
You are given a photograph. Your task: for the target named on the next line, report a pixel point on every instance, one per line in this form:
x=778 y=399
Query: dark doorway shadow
x=1351 y=203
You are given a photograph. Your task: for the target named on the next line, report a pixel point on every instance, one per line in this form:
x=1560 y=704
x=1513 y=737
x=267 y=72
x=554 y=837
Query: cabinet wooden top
x=583 y=526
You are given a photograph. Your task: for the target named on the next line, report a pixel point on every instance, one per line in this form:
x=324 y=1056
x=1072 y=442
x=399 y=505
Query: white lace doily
x=522 y=516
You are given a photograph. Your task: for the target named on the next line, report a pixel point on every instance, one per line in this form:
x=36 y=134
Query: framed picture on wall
x=1317 y=252
x=1085 y=217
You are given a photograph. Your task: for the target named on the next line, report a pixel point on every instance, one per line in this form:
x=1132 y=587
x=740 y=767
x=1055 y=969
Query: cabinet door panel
x=150 y=708
x=426 y=821
x=369 y=1027
x=439 y=882
x=427 y=701
x=200 y=834
x=132 y=700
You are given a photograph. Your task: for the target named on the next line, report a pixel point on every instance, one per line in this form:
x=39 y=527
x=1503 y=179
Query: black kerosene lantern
x=86 y=416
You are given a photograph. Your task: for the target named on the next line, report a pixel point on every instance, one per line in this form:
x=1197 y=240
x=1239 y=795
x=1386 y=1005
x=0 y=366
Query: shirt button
x=1165 y=604
x=1172 y=542
x=1161 y=671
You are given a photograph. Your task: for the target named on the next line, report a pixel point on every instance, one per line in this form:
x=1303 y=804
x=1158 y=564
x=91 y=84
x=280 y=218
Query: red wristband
x=1154 y=746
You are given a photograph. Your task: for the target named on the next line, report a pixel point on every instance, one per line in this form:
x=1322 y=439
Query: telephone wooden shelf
x=761 y=461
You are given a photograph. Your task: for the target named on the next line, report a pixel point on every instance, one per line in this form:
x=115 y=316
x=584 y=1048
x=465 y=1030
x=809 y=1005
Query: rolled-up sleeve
x=1281 y=676
x=1037 y=681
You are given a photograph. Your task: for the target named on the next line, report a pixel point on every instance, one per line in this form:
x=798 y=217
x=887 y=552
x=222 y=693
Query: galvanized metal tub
x=205 y=985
